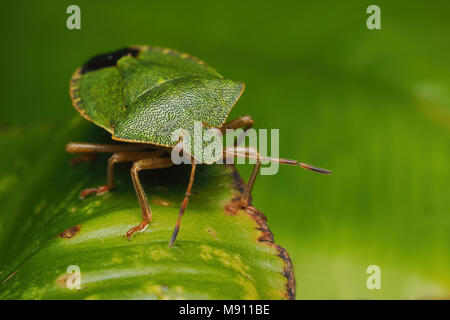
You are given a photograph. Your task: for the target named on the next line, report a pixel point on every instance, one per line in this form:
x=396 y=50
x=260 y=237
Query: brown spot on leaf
x=71 y=232
x=233 y=206
x=62 y=280
x=212 y=232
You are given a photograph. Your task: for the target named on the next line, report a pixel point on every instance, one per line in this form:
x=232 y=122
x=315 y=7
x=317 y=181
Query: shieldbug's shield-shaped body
x=141 y=95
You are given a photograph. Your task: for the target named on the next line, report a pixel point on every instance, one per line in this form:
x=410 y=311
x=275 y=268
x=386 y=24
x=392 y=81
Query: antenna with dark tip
x=313 y=168
x=251 y=153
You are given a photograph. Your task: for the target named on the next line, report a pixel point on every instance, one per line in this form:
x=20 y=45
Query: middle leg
x=118 y=157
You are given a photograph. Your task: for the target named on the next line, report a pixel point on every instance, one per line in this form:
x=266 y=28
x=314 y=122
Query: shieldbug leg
x=89 y=151
x=184 y=204
x=117 y=158
x=250 y=183
x=145 y=164
x=245 y=122
x=87 y=147
x=246 y=152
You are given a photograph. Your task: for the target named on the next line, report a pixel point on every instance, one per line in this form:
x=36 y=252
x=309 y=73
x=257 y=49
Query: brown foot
x=139 y=228
x=97 y=191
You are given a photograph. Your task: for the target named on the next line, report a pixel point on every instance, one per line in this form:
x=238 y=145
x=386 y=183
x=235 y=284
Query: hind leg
x=245 y=122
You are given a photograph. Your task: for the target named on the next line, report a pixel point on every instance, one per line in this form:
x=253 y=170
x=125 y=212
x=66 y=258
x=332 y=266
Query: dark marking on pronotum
x=108 y=60
x=266 y=237
x=71 y=232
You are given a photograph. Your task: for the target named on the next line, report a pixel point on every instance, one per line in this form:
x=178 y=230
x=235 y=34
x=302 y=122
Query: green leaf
x=221 y=252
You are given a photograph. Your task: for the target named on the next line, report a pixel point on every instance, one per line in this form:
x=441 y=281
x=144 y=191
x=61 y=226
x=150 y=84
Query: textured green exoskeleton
x=147 y=93
x=151 y=97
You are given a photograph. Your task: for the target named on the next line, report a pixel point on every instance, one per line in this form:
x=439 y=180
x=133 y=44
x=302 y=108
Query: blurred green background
x=372 y=105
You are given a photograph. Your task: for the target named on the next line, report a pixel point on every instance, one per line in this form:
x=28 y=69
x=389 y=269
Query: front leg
x=145 y=164
x=184 y=204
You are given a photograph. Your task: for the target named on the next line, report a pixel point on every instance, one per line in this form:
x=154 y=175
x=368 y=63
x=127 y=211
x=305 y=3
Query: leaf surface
x=222 y=252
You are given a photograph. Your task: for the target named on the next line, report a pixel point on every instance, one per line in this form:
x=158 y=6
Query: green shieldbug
x=140 y=95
